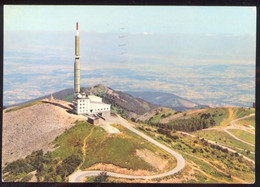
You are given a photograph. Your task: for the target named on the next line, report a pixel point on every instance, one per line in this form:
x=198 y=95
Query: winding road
x=234 y=126
x=79 y=174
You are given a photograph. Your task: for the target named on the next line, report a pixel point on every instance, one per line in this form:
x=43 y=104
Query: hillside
x=233 y=127
x=122 y=103
x=33 y=126
x=44 y=142
x=194 y=119
x=47 y=143
x=130 y=104
x=167 y=100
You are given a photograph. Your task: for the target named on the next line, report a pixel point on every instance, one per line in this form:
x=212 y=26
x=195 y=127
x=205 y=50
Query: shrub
x=102 y=177
x=240 y=159
x=225 y=150
x=206 y=150
x=175 y=137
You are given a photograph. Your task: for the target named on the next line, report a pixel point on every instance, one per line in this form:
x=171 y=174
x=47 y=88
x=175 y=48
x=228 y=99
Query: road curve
x=79 y=175
x=234 y=126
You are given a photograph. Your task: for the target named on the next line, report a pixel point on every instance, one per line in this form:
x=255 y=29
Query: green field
x=225 y=139
x=249 y=121
x=71 y=141
x=24 y=106
x=243 y=135
x=120 y=150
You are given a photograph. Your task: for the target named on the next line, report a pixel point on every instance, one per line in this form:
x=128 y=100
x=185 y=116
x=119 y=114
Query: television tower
x=77 y=64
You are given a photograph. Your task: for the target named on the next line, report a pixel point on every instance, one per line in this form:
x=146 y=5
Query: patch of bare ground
x=116 y=169
x=187 y=174
x=168 y=119
x=33 y=179
x=34 y=128
x=153 y=159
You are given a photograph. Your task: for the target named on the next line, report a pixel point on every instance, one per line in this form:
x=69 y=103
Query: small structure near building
x=93 y=120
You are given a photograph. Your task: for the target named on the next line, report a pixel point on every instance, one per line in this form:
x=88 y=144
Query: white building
x=91 y=105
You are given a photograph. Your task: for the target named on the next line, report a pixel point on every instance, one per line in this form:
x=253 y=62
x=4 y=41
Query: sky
x=133 y=19
x=204 y=54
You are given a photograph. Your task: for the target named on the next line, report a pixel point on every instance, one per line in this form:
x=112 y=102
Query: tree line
x=188 y=124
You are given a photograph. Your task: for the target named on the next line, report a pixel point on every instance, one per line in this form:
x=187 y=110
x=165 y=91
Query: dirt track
x=33 y=128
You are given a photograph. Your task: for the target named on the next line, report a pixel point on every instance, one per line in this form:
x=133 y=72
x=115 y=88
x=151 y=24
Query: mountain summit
x=124 y=103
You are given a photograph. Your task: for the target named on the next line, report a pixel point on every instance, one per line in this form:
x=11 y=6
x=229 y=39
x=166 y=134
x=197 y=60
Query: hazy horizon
x=200 y=56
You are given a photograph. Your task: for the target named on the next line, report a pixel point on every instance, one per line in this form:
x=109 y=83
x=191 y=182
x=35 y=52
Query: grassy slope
x=243 y=135
x=24 y=106
x=158 y=116
x=241 y=112
x=119 y=150
x=225 y=139
x=249 y=121
x=218 y=114
x=224 y=161
x=71 y=141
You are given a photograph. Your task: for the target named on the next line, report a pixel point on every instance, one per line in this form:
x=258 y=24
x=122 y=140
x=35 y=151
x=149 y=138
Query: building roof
x=93 y=96
x=99 y=102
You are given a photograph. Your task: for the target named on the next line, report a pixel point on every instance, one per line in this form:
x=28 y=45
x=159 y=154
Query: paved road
x=79 y=175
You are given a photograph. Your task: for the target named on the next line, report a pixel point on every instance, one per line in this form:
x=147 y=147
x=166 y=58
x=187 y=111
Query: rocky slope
x=34 y=128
